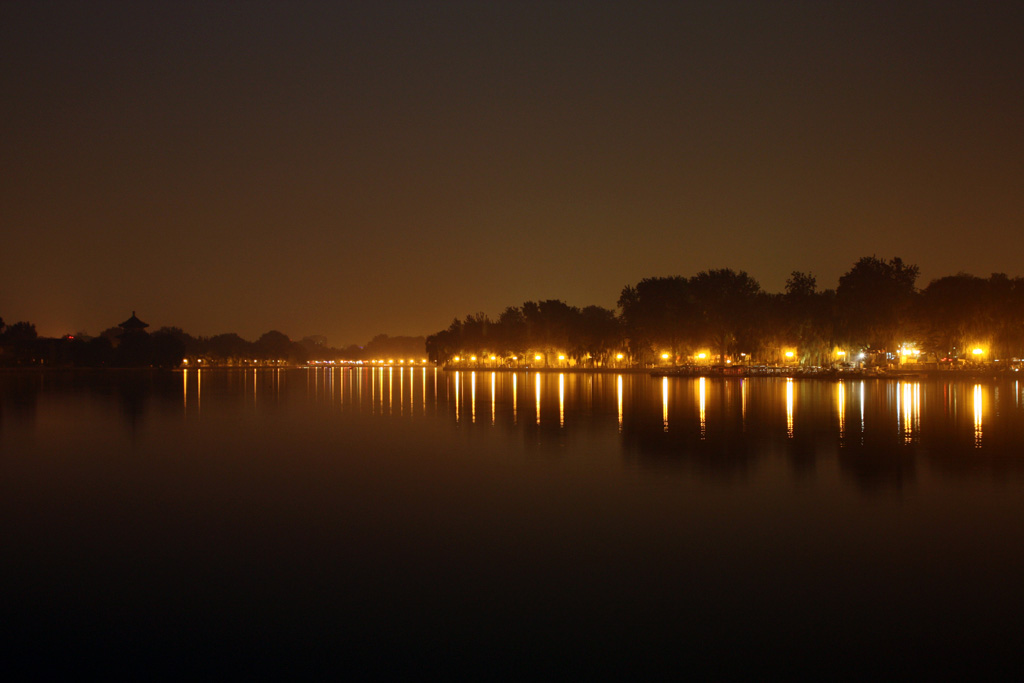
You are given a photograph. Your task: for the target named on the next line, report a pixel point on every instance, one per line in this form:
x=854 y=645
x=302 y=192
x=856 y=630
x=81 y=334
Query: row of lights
x=789 y=354
x=910 y=351
x=184 y=361
x=400 y=361
x=472 y=359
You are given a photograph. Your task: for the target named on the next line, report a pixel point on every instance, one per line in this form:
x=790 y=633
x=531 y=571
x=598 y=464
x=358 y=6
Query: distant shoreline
x=778 y=373
x=674 y=373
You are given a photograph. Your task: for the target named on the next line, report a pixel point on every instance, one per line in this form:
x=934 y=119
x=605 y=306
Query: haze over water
x=399 y=520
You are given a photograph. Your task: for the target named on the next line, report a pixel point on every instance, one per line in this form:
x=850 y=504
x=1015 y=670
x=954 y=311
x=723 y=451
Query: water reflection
x=978 y=412
x=515 y=399
x=561 y=400
x=911 y=411
x=718 y=425
x=664 y=402
x=192 y=391
x=618 y=384
x=703 y=413
x=841 y=408
x=302 y=495
x=789 y=408
x=537 y=383
x=723 y=407
x=743 y=402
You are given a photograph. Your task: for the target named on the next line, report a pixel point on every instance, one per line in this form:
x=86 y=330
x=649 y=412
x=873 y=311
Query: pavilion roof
x=133 y=323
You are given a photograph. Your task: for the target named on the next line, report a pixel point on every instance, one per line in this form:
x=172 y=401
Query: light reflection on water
x=586 y=504
x=703 y=415
x=913 y=409
x=664 y=402
x=841 y=408
x=978 y=413
x=536 y=381
x=789 y=408
x=927 y=417
x=515 y=399
x=618 y=383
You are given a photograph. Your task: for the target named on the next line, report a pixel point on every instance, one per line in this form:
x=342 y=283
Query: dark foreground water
x=424 y=523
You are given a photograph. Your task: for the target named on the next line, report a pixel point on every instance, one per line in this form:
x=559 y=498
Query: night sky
x=350 y=169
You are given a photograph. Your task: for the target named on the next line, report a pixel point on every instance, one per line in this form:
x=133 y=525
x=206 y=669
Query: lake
x=415 y=522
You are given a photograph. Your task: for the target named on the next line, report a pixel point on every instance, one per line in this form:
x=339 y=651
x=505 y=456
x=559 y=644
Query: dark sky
x=349 y=169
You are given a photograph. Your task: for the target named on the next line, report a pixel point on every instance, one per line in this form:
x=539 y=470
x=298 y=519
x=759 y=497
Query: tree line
x=876 y=310
x=169 y=347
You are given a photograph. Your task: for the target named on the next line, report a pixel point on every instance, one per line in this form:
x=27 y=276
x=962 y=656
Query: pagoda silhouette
x=132 y=326
x=134 y=347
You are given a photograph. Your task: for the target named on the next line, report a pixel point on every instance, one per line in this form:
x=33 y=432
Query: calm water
x=423 y=522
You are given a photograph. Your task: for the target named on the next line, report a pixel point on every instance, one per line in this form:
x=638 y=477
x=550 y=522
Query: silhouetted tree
x=446 y=343
x=512 y=332
x=548 y=324
x=1006 y=296
x=658 y=312
x=20 y=332
x=112 y=334
x=726 y=302
x=808 y=317
x=95 y=353
x=596 y=334
x=229 y=347
x=872 y=300
x=166 y=349
x=273 y=345
x=315 y=346
x=385 y=347
x=952 y=312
